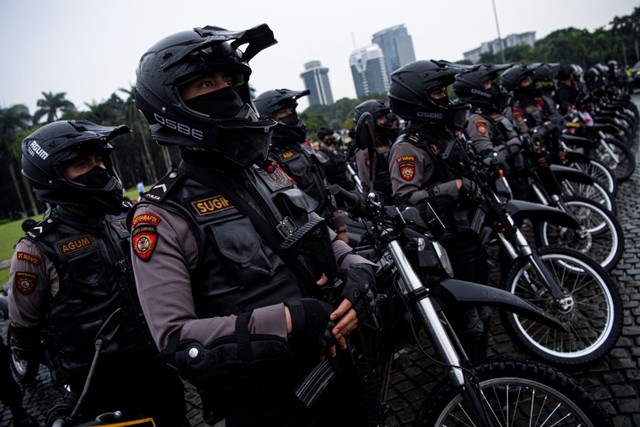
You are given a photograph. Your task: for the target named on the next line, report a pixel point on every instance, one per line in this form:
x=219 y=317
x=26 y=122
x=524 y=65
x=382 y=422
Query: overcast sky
x=89 y=48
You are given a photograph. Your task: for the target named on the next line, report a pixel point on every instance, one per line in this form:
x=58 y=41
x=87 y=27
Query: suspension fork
x=412 y=286
x=516 y=245
x=606 y=146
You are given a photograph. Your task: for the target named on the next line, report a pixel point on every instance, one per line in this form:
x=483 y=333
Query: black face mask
x=96 y=179
x=220 y=104
x=291 y=120
x=107 y=191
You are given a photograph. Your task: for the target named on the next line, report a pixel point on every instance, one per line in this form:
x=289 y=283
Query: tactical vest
x=94 y=271
x=237 y=270
x=336 y=169
x=308 y=173
x=434 y=143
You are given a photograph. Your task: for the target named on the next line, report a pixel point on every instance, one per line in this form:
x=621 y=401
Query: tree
x=138 y=123
x=50 y=105
x=12 y=120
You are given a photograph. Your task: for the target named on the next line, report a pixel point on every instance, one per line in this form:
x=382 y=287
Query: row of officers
x=196 y=272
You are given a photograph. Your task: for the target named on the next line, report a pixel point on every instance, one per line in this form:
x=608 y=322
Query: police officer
x=567 y=92
x=336 y=168
x=72 y=271
x=298 y=159
x=492 y=135
x=230 y=304
x=421 y=173
x=372 y=162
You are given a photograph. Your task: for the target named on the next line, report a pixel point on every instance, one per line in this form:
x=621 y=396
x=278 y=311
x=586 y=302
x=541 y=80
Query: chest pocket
x=242 y=250
x=87 y=268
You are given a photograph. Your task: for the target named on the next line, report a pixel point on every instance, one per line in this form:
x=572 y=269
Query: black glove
x=310 y=326
x=469 y=191
x=360 y=281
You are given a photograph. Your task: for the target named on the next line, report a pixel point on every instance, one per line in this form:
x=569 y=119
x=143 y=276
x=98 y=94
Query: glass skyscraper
x=316 y=80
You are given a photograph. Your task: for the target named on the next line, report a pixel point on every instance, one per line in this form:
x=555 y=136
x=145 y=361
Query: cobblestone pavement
x=614 y=380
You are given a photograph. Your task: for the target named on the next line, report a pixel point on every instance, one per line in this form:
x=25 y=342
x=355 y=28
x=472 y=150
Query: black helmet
x=291 y=128
x=469 y=86
x=375 y=107
x=410 y=94
x=378 y=108
x=324 y=131
x=46 y=151
x=235 y=132
x=567 y=70
x=511 y=79
x=543 y=76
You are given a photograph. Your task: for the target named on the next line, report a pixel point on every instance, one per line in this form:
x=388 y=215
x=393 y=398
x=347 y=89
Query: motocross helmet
x=377 y=108
x=47 y=151
x=567 y=70
x=410 y=94
x=512 y=78
x=469 y=86
x=290 y=128
x=233 y=130
x=324 y=131
x=543 y=76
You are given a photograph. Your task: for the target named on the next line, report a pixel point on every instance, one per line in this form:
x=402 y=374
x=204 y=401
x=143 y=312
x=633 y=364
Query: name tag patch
x=211 y=205
x=75 y=244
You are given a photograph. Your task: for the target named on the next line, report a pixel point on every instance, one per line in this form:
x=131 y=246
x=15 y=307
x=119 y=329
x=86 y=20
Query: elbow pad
x=231 y=358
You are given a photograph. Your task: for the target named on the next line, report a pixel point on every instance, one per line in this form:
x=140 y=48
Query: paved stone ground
x=614 y=380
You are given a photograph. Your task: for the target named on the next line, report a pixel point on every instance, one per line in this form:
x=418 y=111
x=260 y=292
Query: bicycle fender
x=523 y=209
x=572 y=174
x=461 y=292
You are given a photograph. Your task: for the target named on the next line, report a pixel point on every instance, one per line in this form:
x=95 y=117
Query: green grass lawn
x=11 y=232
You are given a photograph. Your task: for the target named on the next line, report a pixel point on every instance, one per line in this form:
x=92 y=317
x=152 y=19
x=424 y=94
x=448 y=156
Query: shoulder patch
x=146 y=218
x=402 y=159
x=31 y=259
x=480 y=121
x=25 y=282
x=143 y=241
x=75 y=244
x=481 y=128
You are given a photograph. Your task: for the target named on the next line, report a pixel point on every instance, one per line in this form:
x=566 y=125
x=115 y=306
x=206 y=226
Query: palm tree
x=50 y=105
x=13 y=120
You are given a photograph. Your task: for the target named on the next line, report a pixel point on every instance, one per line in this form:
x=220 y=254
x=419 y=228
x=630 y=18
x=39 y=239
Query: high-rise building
x=368 y=71
x=494 y=45
x=396 y=45
x=316 y=80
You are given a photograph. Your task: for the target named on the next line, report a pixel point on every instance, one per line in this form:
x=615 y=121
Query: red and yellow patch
x=31 y=259
x=145 y=218
x=407 y=167
x=407 y=171
x=482 y=129
x=25 y=282
x=143 y=241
